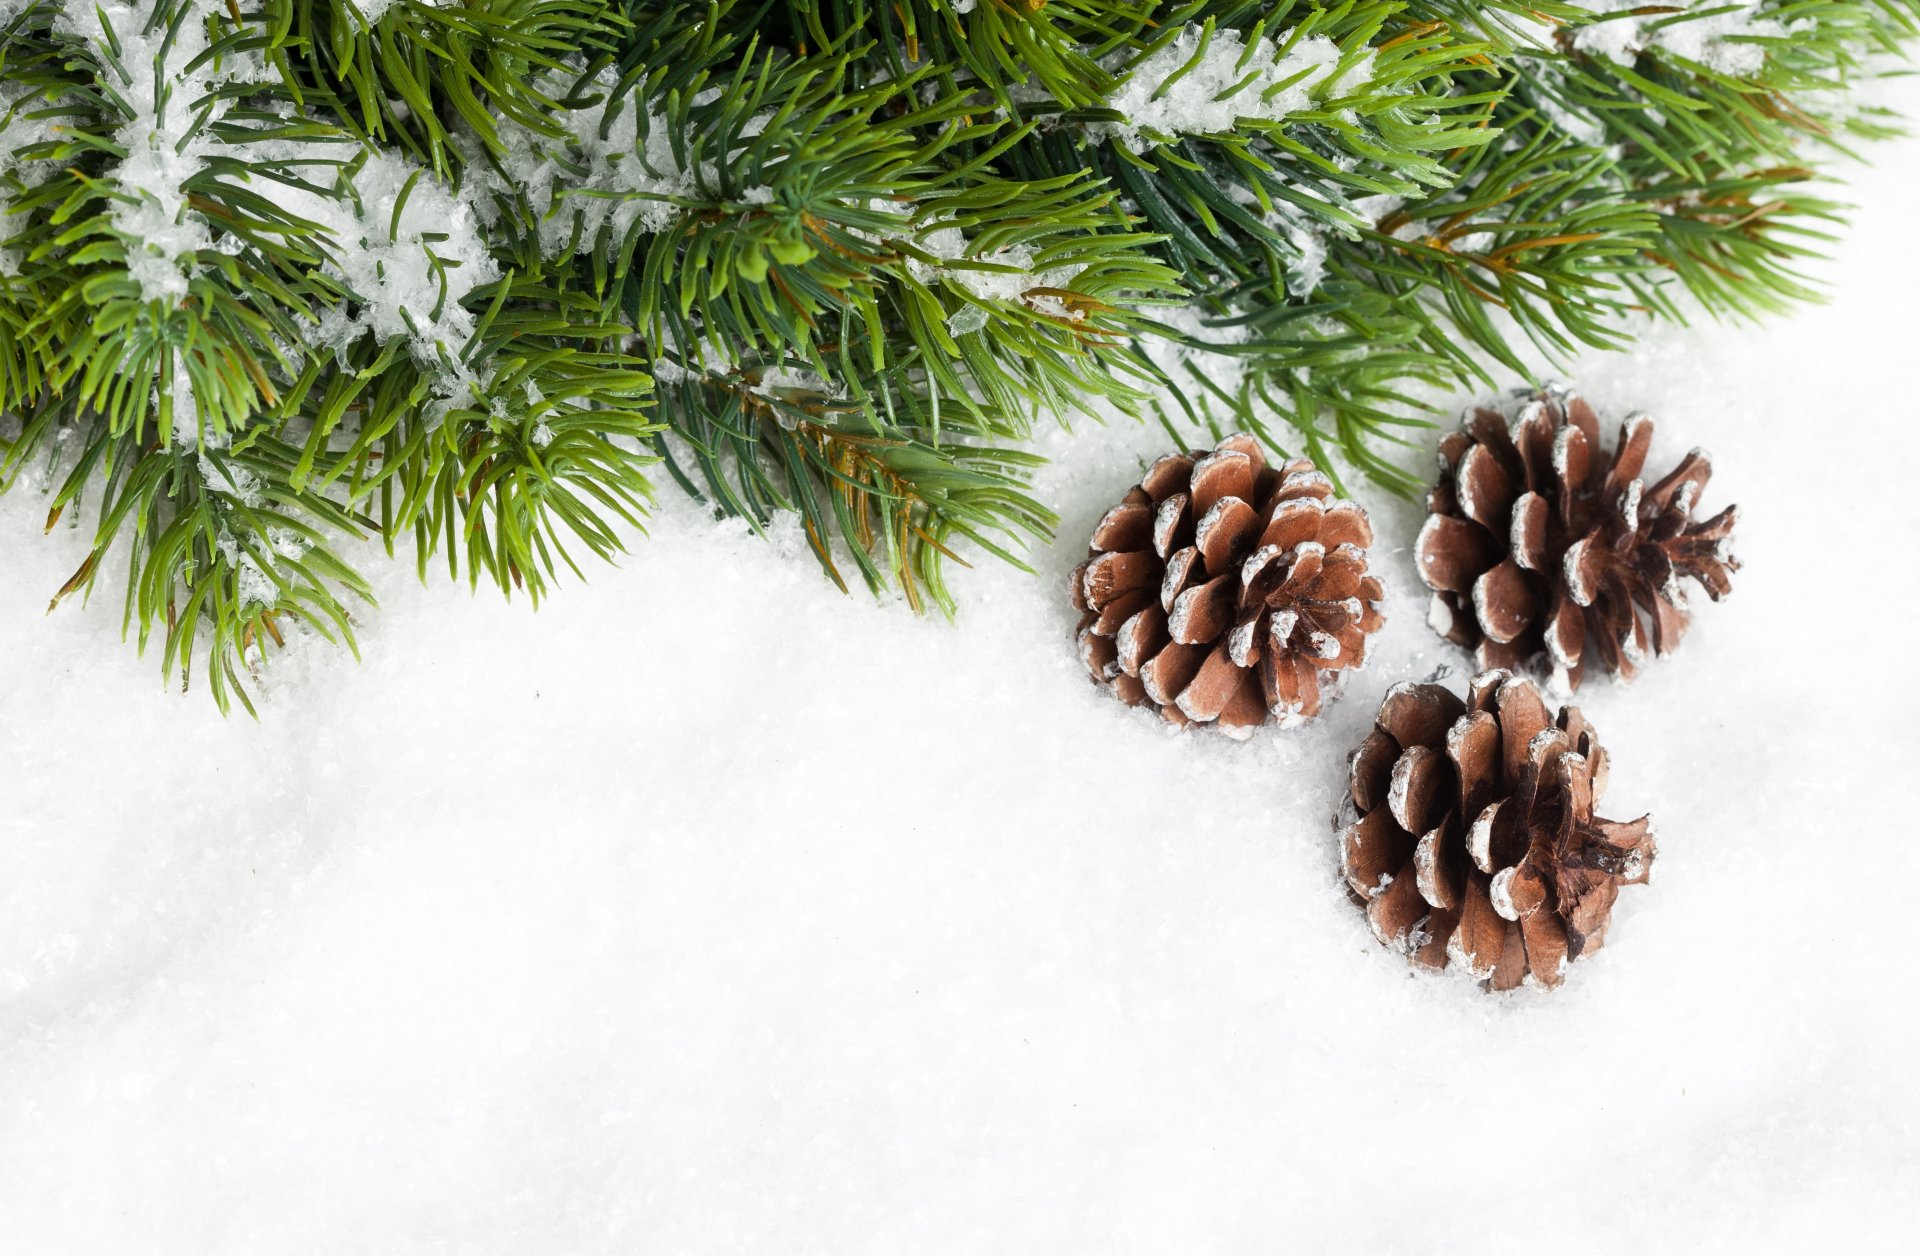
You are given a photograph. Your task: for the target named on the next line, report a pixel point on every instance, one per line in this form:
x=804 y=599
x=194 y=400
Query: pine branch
x=280 y=274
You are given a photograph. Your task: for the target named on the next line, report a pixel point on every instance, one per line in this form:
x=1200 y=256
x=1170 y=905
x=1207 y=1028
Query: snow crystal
x=1715 y=39
x=667 y=371
x=1240 y=642
x=1500 y=890
x=166 y=140
x=160 y=157
x=780 y=380
x=187 y=432
x=408 y=285
x=374 y=10
x=611 y=173
x=966 y=319
x=1480 y=833
x=407 y=270
x=18 y=133
x=254 y=586
x=1005 y=274
x=1378 y=208
x=1310 y=265
x=1256 y=562
x=1457 y=954
x=1280 y=628
x=288 y=544
x=1229 y=81
x=406 y=273
x=1630 y=503
x=229 y=478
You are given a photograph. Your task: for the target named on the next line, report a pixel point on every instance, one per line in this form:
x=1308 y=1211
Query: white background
x=708 y=910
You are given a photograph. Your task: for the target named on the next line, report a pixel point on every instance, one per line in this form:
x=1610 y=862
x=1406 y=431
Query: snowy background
x=710 y=911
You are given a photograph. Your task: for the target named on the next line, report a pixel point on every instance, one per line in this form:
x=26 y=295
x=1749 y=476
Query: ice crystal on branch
x=1205 y=81
x=1729 y=40
x=613 y=168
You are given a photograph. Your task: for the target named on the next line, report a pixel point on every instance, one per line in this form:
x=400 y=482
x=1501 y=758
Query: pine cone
x=1469 y=832
x=1537 y=543
x=1222 y=590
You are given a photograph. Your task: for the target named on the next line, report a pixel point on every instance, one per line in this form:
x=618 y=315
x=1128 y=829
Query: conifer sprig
x=280 y=274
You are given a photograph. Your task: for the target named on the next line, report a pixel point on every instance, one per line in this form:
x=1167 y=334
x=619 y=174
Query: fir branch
x=280 y=274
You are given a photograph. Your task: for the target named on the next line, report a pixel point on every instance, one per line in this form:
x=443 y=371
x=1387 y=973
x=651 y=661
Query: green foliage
x=280 y=274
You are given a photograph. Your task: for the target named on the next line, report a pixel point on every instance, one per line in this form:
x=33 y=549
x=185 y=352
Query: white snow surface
x=710 y=911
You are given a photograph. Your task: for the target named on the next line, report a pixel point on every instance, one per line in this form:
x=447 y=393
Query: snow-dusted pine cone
x=1223 y=590
x=1539 y=544
x=1468 y=832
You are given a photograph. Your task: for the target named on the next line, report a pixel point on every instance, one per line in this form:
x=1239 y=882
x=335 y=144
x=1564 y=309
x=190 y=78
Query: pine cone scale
x=1527 y=535
x=1295 y=521
x=1484 y=489
x=1480 y=935
x=1630 y=455
x=1128 y=526
x=1370 y=770
x=1222 y=474
x=1473 y=746
x=1224 y=531
x=1453 y=553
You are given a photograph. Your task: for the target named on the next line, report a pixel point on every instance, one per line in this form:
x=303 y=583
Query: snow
x=608 y=175
x=410 y=272
x=1222 y=370
x=1721 y=40
x=374 y=10
x=1005 y=274
x=160 y=155
x=1310 y=266
x=1221 y=81
x=636 y=926
x=18 y=132
x=165 y=148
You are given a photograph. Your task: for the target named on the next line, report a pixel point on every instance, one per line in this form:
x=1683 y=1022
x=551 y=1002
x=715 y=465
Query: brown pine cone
x=1468 y=832
x=1537 y=543
x=1222 y=590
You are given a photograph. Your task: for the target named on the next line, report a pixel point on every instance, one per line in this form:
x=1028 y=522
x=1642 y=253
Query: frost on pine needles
x=21 y=132
x=1726 y=38
x=169 y=115
x=613 y=169
x=1204 y=81
x=1003 y=274
x=406 y=250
